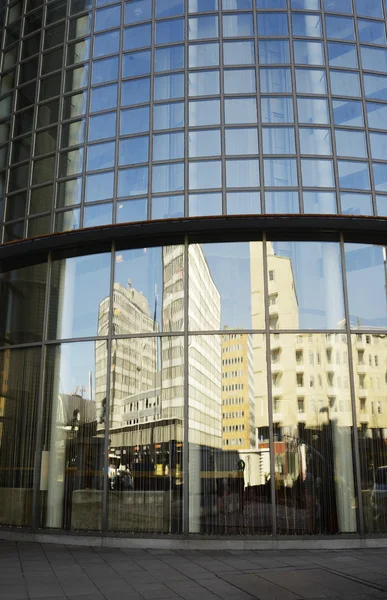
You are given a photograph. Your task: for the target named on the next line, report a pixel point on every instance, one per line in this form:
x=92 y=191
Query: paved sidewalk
x=51 y=572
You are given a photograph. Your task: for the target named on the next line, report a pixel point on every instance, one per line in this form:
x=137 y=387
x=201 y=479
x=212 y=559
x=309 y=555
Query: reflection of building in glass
x=238 y=408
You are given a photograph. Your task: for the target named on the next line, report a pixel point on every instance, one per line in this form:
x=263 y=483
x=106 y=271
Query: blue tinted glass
x=240 y=110
x=339 y=28
x=169 y=8
x=320 y=203
x=204 y=55
x=243 y=203
x=242 y=173
x=277 y=110
x=205 y=175
x=380 y=176
x=168 y=178
x=205 y=142
x=350 y=143
x=242 y=80
x=168 y=116
x=348 y=112
x=317 y=173
x=272 y=24
x=136 y=91
x=168 y=32
x=106 y=43
x=340 y=6
x=315 y=141
x=204 y=112
x=313 y=110
x=305 y=4
x=375 y=86
x=241 y=141
x=281 y=202
x=305 y=25
x=133 y=182
x=273 y=52
x=378 y=145
x=100 y=156
x=131 y=211
x=236 y=4
x=168 y=207
x=280 y=172
x=134 y=150
x=311 y=81
x=168 y=146
x=374 y=59
x=239 y=25
x=356 y=204
x=369 y=8
x=342 y=55
x=371 y=32
x=202 y=205
x=102 y=126
x=278 y=140
x=308 y=53
x=105 y=70
x=202 y=5
x=138 y=10
x=169 y=59
x=105 y=18
x=203 y=83
x=275 y=81
x=200 y=28
x=102 y=214
x=381 y=203
x=104 y=97
x=137 y=36
x=134 y=120
x=99 y=186
x=136 y=63
x=271 y=4
x=169 y=86
x=377 y=115
x=345 y=83
x=238 y=53
x=353 y=175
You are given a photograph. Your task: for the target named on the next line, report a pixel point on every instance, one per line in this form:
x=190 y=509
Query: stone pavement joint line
x=53 y=572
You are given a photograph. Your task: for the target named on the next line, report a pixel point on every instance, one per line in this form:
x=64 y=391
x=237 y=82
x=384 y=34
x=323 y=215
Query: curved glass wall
x=116 y=112
x=202 y=388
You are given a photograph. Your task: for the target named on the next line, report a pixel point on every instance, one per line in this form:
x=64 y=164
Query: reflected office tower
x=134 y=361
x=238 y=403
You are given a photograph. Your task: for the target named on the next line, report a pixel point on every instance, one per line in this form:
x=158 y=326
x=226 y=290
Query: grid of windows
x=145 y=110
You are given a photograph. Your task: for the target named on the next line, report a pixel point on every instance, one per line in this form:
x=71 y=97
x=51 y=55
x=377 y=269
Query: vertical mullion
x=186 y=395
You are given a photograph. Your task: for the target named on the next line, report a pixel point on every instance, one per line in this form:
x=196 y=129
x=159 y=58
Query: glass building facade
x=193 y=267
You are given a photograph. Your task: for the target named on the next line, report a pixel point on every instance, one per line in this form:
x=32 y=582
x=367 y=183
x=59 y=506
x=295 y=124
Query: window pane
x=378 y=145
x=320 y=203
x=277 y=110
x=305 y=25
x=100 y=156
x=275 y=81
x=169 y=86
x=311 y=81
x=348 y=112
x=137 y=36
x=377 y=115
x=369 y=8
x=105 y=70
x=356 y=204
x=204 y=55
x=202 y=5
x=136 y=63
x=280 y=172
x=133 y=182
x=374 y=59
x=132 y=211
x=241 y=141
x=168 y=178
x=169 y=116
x=281 y=202
x=238 y=25
x=205 y=205
x=99 y=186
x=167 y=146
x=238 y=53
x=271 y=4
x=273 y=52
x=340 y=6
x=240 y=110
x=141 y=10
x=102 y=126
x=100 y=214
x=242 y=80
x=204 y=112
x=315 y=141
x=134 y=150
x=272 y=24
x=169 y=8
x=313 y=110
x=88 y=275
x=135 y=92
x=305 y=4
x=204 y=143
x=371 y=32
x=350 y=143
x=242 y=173
x=317 y=173
x=381 y=203
x=308 y=53
x=354 y=175
x=134 y=120
x=168 y=32
x=104 y=97
x=167 y=207
x=243 y=203
x=106 y=43
x=365 y=271
x=380 y=176
x=342 y=55
x=340 y=28
x=344 y=83
x=278 y=140
x=200 y=28
x=107 y=17
x=205 y=174
x=203 y=83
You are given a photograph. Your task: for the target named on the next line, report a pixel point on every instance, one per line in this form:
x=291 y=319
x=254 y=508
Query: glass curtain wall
x=261 y=356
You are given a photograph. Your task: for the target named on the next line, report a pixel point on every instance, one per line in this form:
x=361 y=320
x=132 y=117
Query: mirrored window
x=133 y=182
x=168 y=178
x=354 y=175
x=204 y=55
x=134 y=150
x=280 y=172
x=317 y=173
x=275 y=81
x=350 y=143
x=278 y=140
